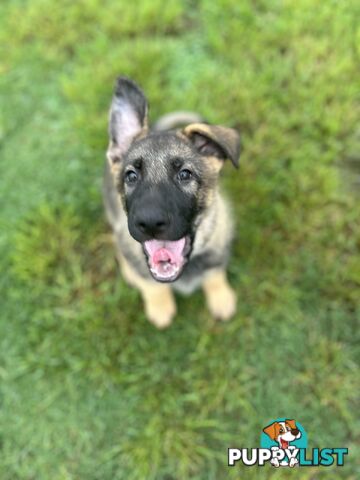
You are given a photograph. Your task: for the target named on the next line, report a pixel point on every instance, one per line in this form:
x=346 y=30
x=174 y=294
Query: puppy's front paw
x=293 y=462
x=160 y=315
x=222 y=303
x=275 y=462
x=220 y=297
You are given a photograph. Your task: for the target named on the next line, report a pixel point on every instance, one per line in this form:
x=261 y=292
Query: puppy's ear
x=127 y=119
x=272 y=431
x=215 y=141
x=291 y=423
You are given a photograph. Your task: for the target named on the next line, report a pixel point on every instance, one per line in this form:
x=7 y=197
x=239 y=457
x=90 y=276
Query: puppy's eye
x=184 y=175
x=131 y=176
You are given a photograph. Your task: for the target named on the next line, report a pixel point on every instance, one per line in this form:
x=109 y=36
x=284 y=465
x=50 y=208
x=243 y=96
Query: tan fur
x=216 y=228
x=220 y=297
x=214 y=164
x=113 y=157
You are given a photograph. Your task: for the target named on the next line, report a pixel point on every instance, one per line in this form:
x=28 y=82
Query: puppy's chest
x=195 y=270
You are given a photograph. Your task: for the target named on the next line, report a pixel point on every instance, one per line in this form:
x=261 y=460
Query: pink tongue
x=165 y=251
x=162 y=255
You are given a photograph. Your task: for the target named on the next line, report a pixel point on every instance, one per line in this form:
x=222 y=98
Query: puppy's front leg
x=159 y=302
x=220 y=297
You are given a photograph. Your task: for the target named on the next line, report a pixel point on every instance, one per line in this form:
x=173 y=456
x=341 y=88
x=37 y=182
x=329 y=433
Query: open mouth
x=166 y=258
x=284 y=443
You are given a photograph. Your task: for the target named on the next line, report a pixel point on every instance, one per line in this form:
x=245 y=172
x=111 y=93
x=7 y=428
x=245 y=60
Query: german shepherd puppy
x=172 y=228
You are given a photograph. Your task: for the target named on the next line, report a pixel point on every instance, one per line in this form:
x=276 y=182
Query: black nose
x=295 y=431
x=152 y=222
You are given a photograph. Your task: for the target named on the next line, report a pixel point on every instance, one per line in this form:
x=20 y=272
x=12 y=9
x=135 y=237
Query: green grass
x=88 y=388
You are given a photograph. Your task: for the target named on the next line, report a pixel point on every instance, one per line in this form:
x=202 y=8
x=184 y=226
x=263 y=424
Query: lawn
x=89 y=389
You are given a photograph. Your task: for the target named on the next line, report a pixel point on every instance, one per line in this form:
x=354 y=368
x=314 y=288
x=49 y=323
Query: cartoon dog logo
x=283 y=433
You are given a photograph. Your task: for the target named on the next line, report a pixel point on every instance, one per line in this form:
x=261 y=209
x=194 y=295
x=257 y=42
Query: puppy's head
x=283 y=432
x=165 y=179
